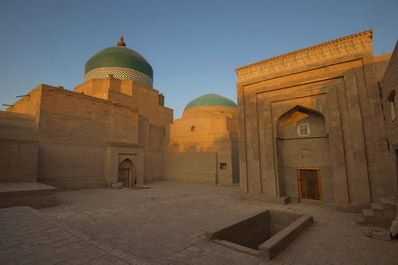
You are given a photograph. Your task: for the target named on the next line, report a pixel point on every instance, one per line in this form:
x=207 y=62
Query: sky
x=194 y=47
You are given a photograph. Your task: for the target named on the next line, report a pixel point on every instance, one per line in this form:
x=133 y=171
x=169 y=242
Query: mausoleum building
x=311 y=125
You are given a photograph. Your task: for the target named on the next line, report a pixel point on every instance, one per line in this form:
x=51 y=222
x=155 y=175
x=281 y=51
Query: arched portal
x=304 y=156
x=127 y=173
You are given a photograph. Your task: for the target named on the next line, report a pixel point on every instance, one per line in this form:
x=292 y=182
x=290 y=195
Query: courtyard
x=165 y=224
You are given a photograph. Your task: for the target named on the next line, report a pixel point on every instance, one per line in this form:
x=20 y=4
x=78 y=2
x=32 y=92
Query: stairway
x=380 y=214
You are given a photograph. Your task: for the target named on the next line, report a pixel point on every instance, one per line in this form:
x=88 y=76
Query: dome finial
x=121 y=42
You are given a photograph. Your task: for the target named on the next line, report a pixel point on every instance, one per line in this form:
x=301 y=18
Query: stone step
x=377 y=207
x=368 y=213
x=387 y=201
x=379 y=219
x=389 y=206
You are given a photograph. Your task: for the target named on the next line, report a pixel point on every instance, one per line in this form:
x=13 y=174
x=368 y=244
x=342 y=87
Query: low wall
x=36 y=195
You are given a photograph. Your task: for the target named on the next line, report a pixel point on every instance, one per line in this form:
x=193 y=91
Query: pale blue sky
x=193 y=46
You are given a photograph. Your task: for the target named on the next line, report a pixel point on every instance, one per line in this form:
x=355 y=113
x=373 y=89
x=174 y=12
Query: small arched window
x=192 y=128
x=303 y=129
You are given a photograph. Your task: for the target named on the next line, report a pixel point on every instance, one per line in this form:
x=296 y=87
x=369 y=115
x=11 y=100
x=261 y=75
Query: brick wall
x=18 y=160
x=18 y=147
x=193 y=167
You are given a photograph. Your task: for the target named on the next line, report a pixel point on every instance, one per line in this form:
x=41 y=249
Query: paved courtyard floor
x=165 y=225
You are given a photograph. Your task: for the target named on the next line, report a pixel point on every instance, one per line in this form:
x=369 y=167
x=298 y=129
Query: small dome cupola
x=210 y=100
x=121 y=62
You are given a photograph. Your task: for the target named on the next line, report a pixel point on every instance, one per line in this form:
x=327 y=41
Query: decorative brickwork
x=332 y=49
x=120 y=73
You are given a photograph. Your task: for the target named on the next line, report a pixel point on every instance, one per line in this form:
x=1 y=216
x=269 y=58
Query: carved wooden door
x=309 y=184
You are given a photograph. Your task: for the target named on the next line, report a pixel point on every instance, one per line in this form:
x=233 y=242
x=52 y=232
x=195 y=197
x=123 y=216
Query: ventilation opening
x=223 y=166
x=192 y=128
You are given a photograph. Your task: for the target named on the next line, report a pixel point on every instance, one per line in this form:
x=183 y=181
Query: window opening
x=303 y=129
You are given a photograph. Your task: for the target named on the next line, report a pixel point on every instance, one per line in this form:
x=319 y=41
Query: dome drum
x=120 y=73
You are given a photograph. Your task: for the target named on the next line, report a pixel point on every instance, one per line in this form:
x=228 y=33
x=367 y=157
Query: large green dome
x=210 y=100
x=120 y=61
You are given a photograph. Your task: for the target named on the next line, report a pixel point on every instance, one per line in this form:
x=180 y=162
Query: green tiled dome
x=211 y=100
x=119 y=56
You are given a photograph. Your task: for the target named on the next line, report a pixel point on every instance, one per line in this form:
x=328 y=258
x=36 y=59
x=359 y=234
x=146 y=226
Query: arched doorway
x=304 y=156
x=127 y=173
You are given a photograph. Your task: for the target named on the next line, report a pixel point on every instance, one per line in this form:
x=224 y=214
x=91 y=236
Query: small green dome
x=210 y=100
x=119 y=56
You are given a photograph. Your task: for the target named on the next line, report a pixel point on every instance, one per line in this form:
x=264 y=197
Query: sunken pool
x=264 y=234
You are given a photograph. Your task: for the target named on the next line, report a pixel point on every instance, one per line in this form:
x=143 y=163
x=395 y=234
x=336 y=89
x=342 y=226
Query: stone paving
x=28 y=237
x=166 y=225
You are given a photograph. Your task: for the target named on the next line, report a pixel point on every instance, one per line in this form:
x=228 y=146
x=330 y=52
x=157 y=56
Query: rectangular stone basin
x=264 y=234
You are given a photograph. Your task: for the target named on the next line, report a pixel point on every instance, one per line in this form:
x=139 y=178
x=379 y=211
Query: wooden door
x=309 y=184
x=124 y=177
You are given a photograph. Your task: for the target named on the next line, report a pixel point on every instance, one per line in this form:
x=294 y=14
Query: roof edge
x=302 y=53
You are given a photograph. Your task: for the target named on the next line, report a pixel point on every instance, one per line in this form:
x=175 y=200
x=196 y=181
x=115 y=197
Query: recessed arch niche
x=303 y=143
x=127 y=173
